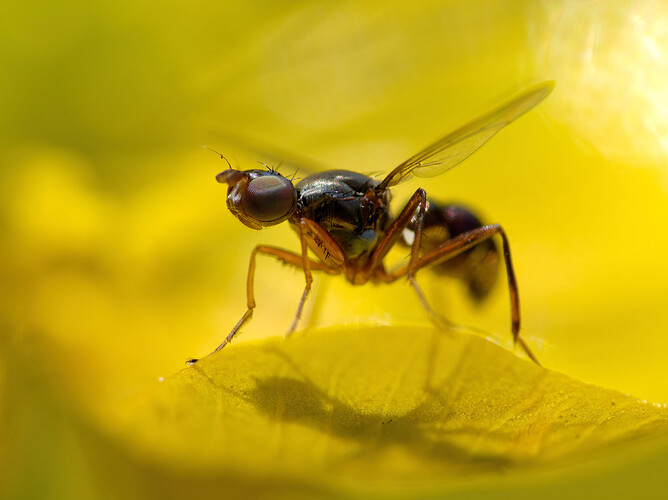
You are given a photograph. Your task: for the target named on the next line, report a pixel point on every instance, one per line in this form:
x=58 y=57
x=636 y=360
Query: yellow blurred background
x=119 y=259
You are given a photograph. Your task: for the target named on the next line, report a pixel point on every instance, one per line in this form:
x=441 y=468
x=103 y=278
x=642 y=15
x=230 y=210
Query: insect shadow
x=296 y=398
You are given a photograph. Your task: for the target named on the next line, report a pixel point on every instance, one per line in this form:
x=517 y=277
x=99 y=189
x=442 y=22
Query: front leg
x=301 y=261
x=306 y=266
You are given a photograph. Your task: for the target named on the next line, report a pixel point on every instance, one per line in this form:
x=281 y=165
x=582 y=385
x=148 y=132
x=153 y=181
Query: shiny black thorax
x=336 y=200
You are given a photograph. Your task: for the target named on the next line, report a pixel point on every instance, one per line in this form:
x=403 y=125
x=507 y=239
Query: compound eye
x=268 y=198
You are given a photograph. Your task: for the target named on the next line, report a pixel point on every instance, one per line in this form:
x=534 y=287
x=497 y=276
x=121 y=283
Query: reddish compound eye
x=268 y=198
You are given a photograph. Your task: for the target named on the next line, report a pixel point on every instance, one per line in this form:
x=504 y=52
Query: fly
x=343 y=219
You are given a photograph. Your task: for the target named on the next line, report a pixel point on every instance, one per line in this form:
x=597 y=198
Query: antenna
x=219 y=154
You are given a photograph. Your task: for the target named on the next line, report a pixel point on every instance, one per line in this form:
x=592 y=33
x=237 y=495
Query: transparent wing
x=460 y=144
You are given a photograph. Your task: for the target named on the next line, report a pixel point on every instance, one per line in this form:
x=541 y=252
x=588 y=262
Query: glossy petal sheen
x=376 y=409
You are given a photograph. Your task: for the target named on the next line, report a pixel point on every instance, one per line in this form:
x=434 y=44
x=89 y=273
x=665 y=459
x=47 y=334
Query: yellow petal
x=377 y=410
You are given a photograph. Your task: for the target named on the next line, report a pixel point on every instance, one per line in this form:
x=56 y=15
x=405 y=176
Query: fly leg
x=416 y=206
x=415 y=210
x=454 y=247
x=300 y=261
x=306 y=266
